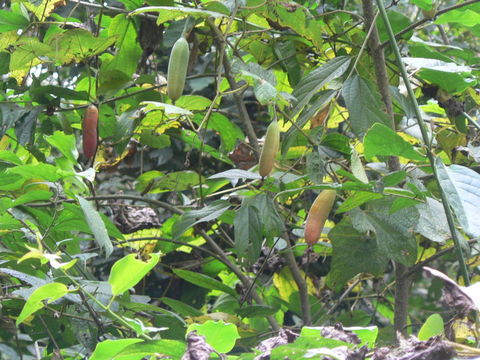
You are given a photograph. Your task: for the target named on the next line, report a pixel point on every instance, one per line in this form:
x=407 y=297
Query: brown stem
x=238 y=97
x=300 y=281
x=402 y=284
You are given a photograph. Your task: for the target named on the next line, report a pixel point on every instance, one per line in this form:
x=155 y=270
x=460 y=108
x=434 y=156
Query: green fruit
x=177 y=68
x=429 y=14
x=318 y=214
x=270 y=148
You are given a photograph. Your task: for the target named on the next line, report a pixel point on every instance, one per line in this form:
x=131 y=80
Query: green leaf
x=256 y=311
x=228 y=131
x=433 y=326
x=272 y=222
x=25 y=126
x=204 y=281
x=248 y=231
x=129 y=50
x=462 y=187
x=66 y=144
x=175 y=181
x=167 y=13
x=96 y=224
x=190 y=218
x=193 y=103
x=463 y=16
x=11 y=21
x=173 y=349
x=363 y=104
x=381 y=140
x=39 y=171
x=394 y=235
x=315 y=167
x=77 y=45
x=150 y=138
x=128 y=271
x=181 y=308
x=433 y=223
x=108 y=349
x=219 y=335
x=453 y=83
x=398 y=21
x=353 y=254
x=316 y=80
x=356 y=199
x=49 y=292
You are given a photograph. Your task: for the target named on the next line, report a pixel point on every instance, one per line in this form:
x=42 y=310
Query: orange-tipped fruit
x=270 y=149
x=318 y=214
x=89 y=128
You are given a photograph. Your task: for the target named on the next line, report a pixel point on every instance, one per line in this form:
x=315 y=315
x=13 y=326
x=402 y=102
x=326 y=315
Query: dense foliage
x=128 y=238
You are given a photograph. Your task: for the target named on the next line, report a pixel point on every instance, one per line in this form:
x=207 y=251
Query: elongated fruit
x=89 y=128
x=177 y=68
x=270 y=149
x=318 y=214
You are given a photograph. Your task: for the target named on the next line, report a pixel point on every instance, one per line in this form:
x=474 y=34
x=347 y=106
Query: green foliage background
x=170 y=228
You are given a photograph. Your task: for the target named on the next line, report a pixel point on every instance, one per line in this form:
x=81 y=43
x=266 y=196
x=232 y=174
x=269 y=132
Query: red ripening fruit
x=318 y=214
x=89 y=127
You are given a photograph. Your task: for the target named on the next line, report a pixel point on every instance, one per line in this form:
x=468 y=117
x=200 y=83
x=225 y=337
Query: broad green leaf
x=273 y=224
x=423 y=4
x=286 y=51
x=433 y=222
x=108 y=349
x=353 y=253
x=314 y=81
x=463 y=16
x=356 y=199
x=31 y=196
x=49 y=292
x=204 y=281
x=256 y=311
x=452 y=82
x=78 y=45
x=66 y=144
x=151 y=138
x=317 y=103
x=129 y=50
x=363 y=104
x=367 y=334
x=228 y=131
x=181 y=308
x=190 y=218
x=433 y=326
x=25 y=126
x=193 y=102
x=236 y=174
x=175 y=181
x=96 y=225
x=11 y=21
x=462 y=187
x=434 y=64
x=173 y=349
x=10 y=114
x=357 y=167
x=381 y=140
x=219 y=335
x=128 y=271
x=167 y=13
x=398 y=21
x=36 y=171
x=248 y=231
x=394 y=235
x=193 y=139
